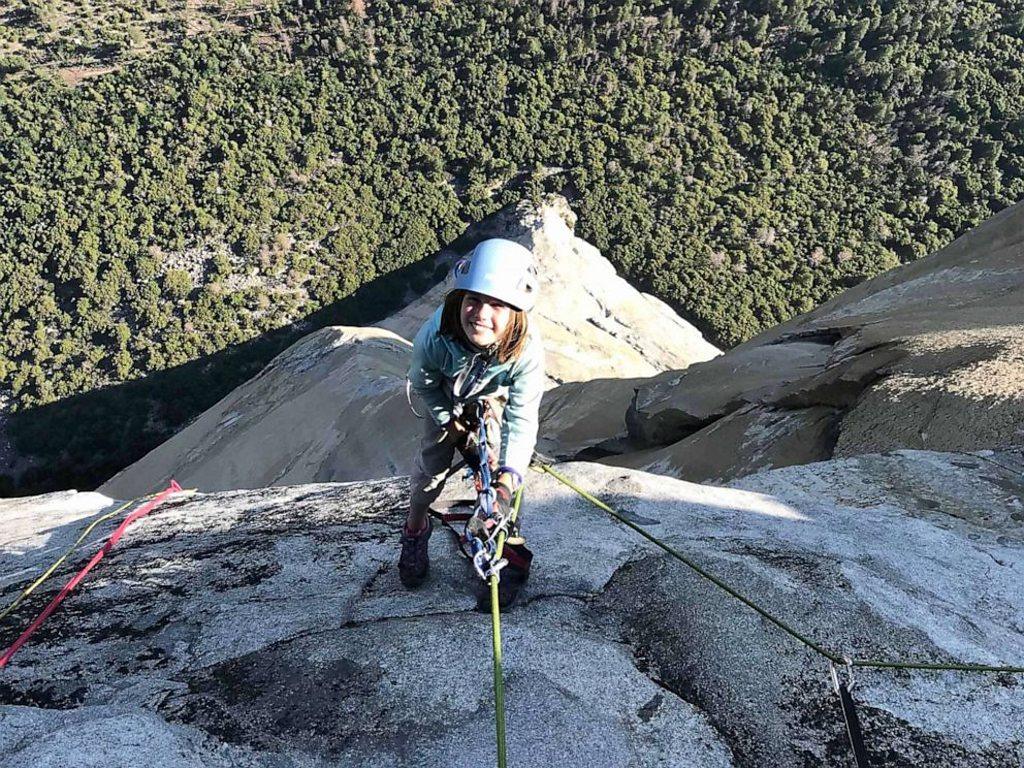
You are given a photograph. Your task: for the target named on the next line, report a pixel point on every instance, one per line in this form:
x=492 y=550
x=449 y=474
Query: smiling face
x=484 y=320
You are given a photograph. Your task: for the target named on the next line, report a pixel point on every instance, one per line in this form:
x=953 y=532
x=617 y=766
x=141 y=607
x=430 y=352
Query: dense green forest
x=744 y=160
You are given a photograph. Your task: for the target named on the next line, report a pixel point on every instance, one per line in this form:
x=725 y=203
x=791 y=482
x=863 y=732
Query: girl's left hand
x=502 y=500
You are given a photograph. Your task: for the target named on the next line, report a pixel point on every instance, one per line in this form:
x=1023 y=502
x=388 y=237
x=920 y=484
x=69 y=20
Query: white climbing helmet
x=501 y=269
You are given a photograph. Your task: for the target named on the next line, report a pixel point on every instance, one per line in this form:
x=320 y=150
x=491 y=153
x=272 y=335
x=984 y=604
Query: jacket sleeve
x=522 y=412
x=425 y=374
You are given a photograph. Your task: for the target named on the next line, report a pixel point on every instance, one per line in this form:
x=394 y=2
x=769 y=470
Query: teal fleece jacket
x=437 y=360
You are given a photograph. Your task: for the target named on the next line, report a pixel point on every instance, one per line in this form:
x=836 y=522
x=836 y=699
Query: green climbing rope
x=939 y=667
x=499 y=679
x=836 y=659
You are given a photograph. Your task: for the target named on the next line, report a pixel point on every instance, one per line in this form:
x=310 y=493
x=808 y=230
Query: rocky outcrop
x=678 y=403
x=584 y=420
x=333 y=406
x=594 y=323
x=268 y=627
x=747 y=440
x=927 y=356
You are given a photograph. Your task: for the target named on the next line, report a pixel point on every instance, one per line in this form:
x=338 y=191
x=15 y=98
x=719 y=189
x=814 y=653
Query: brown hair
x=509 y=347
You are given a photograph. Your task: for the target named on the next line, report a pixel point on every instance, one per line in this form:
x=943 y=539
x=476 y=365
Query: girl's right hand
x=456 y=429
x=458 y=433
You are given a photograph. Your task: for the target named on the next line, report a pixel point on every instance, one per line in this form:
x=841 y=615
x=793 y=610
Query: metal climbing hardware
x=480 y=534
x=844 y=688
x=483 y=537
x=834 y=671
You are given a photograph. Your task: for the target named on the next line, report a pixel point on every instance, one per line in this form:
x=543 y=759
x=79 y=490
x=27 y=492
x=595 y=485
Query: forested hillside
x=742 y=160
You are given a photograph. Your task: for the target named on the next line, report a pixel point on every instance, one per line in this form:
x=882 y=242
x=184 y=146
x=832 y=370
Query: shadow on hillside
x=82 y=441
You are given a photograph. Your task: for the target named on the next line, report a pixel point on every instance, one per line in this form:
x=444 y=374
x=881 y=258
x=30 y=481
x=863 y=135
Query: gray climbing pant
x=436 y=451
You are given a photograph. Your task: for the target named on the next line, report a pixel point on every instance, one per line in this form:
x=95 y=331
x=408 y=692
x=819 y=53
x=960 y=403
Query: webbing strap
x=860 y=754
x=145 y=509
x=446 y=519
x=467 y=382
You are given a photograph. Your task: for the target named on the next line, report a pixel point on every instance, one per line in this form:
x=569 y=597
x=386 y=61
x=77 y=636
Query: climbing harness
x=142 y=511
x=466 y=383
x=836 y=661
x=482 y=527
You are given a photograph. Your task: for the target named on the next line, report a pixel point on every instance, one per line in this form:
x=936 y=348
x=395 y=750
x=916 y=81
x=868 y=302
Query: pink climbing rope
x=142 y=511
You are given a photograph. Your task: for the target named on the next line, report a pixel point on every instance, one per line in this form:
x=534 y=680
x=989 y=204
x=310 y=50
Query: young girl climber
x=478 y=345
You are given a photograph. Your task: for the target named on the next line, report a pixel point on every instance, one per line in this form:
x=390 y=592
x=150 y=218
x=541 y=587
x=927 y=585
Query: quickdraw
x=844 y=688
x=481 y=531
